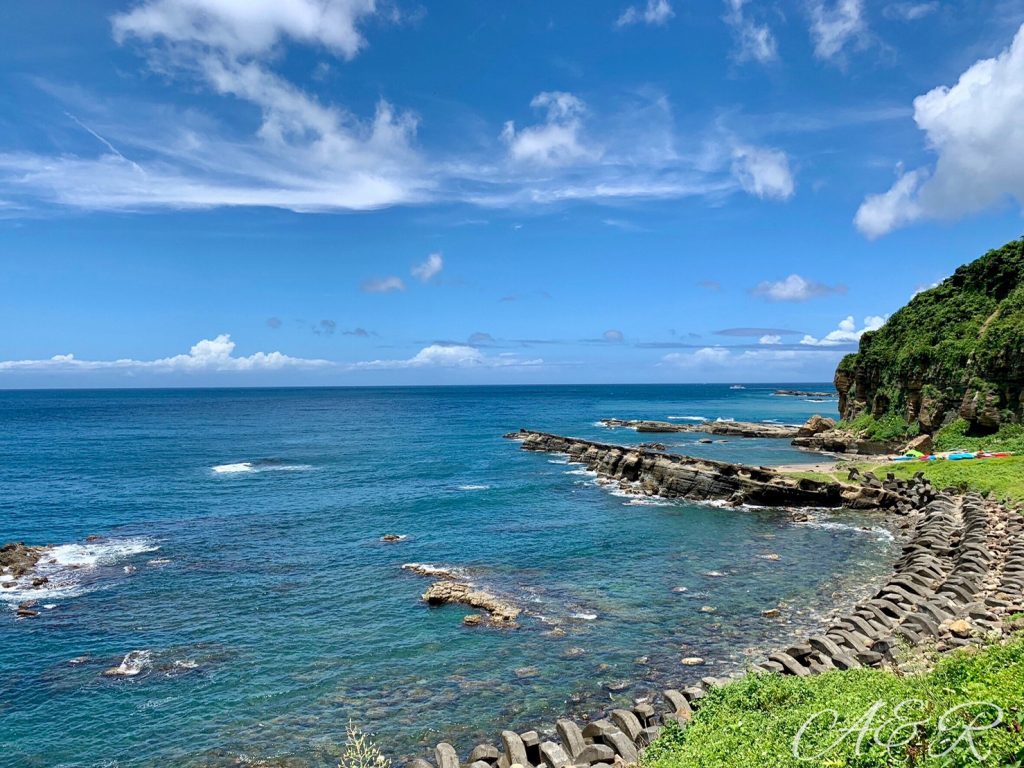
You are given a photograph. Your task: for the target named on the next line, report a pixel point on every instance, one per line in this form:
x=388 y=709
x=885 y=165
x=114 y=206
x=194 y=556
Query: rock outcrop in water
x=18 y=559
x=955 y=351
x=652 y=473
x=732 y=428
x=454 y=588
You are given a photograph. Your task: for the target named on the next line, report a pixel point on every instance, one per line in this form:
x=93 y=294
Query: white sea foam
x=474 y=487
x=106 y=552
x=246 y=467
x=585 y=616
x=71 y=569
x=687 y=418
x=133 y=663
x=583 y=472
x=558 y=461
x=829 y=525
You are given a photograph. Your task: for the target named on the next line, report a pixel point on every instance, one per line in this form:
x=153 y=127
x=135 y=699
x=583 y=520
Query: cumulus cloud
x=763 y=172
x=480 y=339
x=836 y=26
x=449 y=356
x=656 y=12
x=910 y=11
x=770 y=338
x=428 y=269
x=754 y=41
x=795 y=288
x=383 y=284
x=613 y=336
x=974 y=128
x=215 y=354
x=846 y=333
x=555 y=141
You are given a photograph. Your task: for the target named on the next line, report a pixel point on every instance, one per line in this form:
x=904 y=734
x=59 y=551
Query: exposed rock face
x=922 y=443
x=733 y=428
x=454 y=588
x=501 y=613
x=955 y=351
x=815 y=426
x=652 y=473
x=17 y=559
x=842 y=441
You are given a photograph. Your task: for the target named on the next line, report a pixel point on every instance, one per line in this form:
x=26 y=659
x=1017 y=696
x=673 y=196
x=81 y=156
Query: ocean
x=240 y=564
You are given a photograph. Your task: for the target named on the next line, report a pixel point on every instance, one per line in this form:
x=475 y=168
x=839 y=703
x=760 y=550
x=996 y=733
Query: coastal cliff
x=953 y=357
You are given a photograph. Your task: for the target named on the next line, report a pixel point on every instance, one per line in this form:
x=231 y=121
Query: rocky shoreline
x=645 y=472
x=958 y=581
x=730 y=428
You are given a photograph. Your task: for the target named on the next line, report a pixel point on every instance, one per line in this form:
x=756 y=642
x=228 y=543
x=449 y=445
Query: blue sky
x=219 y=192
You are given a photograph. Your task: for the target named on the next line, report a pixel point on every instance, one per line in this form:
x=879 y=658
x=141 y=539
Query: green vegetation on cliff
x=955 y=351
x=753 y=722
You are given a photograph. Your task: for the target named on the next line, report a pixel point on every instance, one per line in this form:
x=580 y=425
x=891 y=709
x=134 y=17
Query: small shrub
x=361 y=751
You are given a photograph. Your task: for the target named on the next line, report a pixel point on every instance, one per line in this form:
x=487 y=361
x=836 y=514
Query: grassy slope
x=1004 y=478
x=752 y=723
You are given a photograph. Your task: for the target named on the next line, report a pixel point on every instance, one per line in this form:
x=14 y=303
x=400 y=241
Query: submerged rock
x=731 y=428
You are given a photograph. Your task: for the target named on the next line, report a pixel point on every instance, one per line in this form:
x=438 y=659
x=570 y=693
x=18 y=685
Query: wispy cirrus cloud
x=298 y=151
x=655 y=12
x=837 y=26
x=388 y=284
x=754 y=40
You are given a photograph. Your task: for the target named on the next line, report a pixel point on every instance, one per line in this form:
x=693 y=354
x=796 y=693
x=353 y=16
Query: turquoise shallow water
x=269 y=613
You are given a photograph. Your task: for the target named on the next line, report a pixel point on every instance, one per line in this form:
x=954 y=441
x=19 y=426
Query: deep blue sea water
x=269 y=614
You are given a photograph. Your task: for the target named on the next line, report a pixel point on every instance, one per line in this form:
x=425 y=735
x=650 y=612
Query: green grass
x=752 y=723
x=952 y=436
x=1001 y=478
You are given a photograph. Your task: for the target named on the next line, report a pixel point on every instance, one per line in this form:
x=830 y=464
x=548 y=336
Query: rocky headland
x=954 y=356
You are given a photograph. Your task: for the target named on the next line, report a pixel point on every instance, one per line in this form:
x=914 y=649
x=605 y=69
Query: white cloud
x=770 y=338
x=613 y=336
x=449 y=356
x=215 y=354
x=834 y=28
x=754 y=41
x=795 y=288
x=383 y=285
x=884 y=212
x=656 y=12
x=751 y=363
x=910 y=11
x=763 y=172
x=247 y=28
x=976 y=131
x=846 y=333
x=429 y=268
x=303 y=155
x=557 y=140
